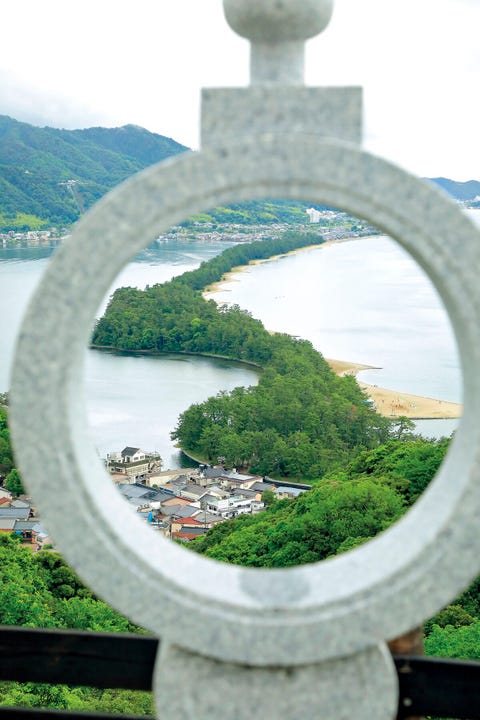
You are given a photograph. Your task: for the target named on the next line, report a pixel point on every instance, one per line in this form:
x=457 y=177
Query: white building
x=314 y=215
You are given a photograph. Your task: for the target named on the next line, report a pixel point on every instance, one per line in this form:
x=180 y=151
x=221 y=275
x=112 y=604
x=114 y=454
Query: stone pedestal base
x=363 y=686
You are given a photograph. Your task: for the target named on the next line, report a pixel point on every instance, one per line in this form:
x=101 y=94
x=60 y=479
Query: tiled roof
x=129 y=451
x=180 y=511
x=194 y=490
x=20 y=504
x=212 y=472
x=246 y=493
x=7 y=523
x=26 y=525
x=295 y=492
x=207 y=517
x=238 y=476
x=190 y=522
x=261 y=486
x=135 y=490
x=190 y=533
x=17 y=513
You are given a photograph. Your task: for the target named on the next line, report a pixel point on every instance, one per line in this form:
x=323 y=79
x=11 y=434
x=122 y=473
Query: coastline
x=209 y=292
x=393 y=403
x=159 y=353
x=389 y=403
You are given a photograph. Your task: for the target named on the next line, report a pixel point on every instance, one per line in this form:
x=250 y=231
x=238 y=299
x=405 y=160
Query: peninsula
x=389 y=403
x=301 y=420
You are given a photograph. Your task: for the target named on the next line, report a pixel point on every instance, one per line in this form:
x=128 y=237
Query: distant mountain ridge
x=36 y=163
x=48 y=176
x=468 y=190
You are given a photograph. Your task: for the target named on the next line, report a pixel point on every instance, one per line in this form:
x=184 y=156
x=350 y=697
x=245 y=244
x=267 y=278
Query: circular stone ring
x=253 y=616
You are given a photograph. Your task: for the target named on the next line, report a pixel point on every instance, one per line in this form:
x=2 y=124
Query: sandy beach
x=211 y=290
x=390 y=403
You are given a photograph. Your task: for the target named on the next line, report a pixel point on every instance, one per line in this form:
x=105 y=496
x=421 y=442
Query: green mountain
x=460 y=190
x=54 y=174
x=48 y=176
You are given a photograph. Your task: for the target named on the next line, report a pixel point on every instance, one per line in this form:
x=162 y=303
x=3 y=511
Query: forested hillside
x=49 y=176
x=345 y=508
x=35 y=164
x=301 y=420
x=42 y=591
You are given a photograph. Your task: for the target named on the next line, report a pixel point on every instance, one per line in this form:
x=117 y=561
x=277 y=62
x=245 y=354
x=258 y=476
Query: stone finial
x=277 y=30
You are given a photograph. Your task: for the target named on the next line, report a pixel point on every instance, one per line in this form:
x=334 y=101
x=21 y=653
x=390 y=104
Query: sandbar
x=390 y=403
x=210 y=291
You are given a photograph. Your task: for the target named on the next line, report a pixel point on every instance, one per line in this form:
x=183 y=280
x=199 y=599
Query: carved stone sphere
x=277 y=21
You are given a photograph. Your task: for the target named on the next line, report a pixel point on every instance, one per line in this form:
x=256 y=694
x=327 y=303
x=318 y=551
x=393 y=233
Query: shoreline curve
x=389 y=403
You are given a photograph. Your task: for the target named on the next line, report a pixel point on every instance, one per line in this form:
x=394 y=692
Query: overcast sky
x=113 y=62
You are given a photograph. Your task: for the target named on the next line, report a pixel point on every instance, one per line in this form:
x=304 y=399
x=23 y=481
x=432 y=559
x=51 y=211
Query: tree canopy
x=300 y=421
x=343 y=509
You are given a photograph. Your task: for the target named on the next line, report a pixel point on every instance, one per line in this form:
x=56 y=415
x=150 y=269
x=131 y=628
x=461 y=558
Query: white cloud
x=79 y=64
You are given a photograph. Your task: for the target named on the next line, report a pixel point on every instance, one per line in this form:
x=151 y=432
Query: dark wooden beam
x=438 y=687
x=35 y=714
x=101 y=660
x=428 y=686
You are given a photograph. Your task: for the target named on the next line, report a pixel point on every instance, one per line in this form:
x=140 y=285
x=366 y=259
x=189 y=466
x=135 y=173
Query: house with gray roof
x=143 y=496
x=7 y=524
x=260 y=487
x=192 y=492
x=243 y=492
x=131 y=454
x=177 y=511
x=16 y=513
x=207 y=519
x=288 y=492
x=17 y=503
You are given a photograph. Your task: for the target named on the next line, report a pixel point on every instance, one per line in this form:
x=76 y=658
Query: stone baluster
x=247 y=643
x=277 y=30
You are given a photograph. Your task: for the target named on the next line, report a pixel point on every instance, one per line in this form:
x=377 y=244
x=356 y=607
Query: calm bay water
x=131 y=400
x=136 y=400
x=362 y=301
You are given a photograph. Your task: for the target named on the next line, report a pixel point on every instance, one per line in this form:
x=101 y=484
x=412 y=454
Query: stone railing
x=251 y=643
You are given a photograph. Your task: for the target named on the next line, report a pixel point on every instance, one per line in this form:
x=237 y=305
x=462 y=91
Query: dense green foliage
x=174 y=317
x=61 y=697
x=34 y=162
x=320 y=523
x=6 y=454
x=13 y=482
x=343 y=509
x=8 y=472
x=40 y=590
x=254 y=212
x=406 y=467
x=300 y=421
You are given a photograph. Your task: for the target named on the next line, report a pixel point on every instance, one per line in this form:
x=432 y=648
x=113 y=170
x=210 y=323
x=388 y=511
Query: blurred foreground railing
x=428 y=686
